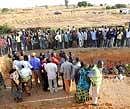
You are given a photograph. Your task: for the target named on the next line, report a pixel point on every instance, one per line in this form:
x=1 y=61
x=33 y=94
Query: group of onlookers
x=30 y=39
x=46 y=70
x=50 y=67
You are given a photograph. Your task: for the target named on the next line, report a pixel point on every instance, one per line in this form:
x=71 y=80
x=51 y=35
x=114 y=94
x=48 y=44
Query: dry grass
x=41 y=17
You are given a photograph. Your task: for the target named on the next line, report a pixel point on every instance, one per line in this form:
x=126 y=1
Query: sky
x=33 y=3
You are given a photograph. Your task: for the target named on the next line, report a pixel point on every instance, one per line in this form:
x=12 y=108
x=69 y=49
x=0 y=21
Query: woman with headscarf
x=83 y=85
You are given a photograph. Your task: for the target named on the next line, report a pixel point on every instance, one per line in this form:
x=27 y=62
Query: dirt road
x=114 y=95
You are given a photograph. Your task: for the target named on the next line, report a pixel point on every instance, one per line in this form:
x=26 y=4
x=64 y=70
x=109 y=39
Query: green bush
x=113 y=7
x=4 y=10
x=120 y=6
x=116 y=6
x=4 y=29
x=101 y=4
x=89 y=4
x=108 y=7
x=84 y=4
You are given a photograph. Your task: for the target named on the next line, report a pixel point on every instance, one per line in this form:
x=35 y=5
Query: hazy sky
x=31 y=3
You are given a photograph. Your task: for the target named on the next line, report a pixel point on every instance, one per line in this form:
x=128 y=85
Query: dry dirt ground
x=114 y=93
x=79 y=17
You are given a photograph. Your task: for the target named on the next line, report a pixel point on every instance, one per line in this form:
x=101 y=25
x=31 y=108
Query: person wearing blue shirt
x=35 y=62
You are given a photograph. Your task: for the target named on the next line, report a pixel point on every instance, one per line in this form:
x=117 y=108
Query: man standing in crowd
x=35 y=63
x=94 y=39
x=128 y=38
x=96 y=79
x=18 y=40
x=9 y=44
x=66 y=69
x=85 y=37
x=51 y=69
x=66 y=40
x=58 y=39
x=80 y=38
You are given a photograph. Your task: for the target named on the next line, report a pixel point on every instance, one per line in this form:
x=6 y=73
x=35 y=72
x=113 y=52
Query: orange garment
x=55 y=60
x=67 y=86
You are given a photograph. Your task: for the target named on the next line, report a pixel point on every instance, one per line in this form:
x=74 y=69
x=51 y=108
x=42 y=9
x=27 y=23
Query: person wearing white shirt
x=25 y=61
x=16 y=64
x=80 y=37
x=25 y=79
x=18 y=40
x=25 y=73
x=51 y=69
x=94 y=39
x=58 y=39
x=128 y=38
x=85 y=37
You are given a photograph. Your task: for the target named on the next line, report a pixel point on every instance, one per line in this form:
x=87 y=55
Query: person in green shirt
x=96 y=80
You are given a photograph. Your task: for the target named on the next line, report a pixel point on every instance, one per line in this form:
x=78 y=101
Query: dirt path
x=114 y=95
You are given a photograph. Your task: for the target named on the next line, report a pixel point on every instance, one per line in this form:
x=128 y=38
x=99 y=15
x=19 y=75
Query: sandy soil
x=114 y=95
x=79 y=17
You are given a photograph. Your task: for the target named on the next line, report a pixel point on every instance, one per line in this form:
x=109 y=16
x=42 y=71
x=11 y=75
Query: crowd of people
x=37 y=38
x=50 y=67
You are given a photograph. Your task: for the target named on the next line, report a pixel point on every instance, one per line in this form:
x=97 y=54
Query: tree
x=82 y=4
x=101 y=4
x=66 y=3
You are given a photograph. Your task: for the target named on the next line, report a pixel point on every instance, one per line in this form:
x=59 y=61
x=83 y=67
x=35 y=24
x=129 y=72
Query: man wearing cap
x=35 y=63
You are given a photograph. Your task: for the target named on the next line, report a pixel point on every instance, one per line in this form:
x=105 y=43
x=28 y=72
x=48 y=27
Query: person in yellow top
x=96 y=79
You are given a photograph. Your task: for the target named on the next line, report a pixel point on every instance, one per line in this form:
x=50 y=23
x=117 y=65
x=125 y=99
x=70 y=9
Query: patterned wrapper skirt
x=81 y=95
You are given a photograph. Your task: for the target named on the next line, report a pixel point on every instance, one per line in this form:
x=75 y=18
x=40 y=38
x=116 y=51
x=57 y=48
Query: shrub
x=113 y=7
x=4 y=10
x=108 y=7
x=120 y=6
x=84 y=4
x=4 y=29
x=101 y=4
x=89 y=4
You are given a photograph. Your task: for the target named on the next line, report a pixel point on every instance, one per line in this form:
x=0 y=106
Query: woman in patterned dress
x=83 y=86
